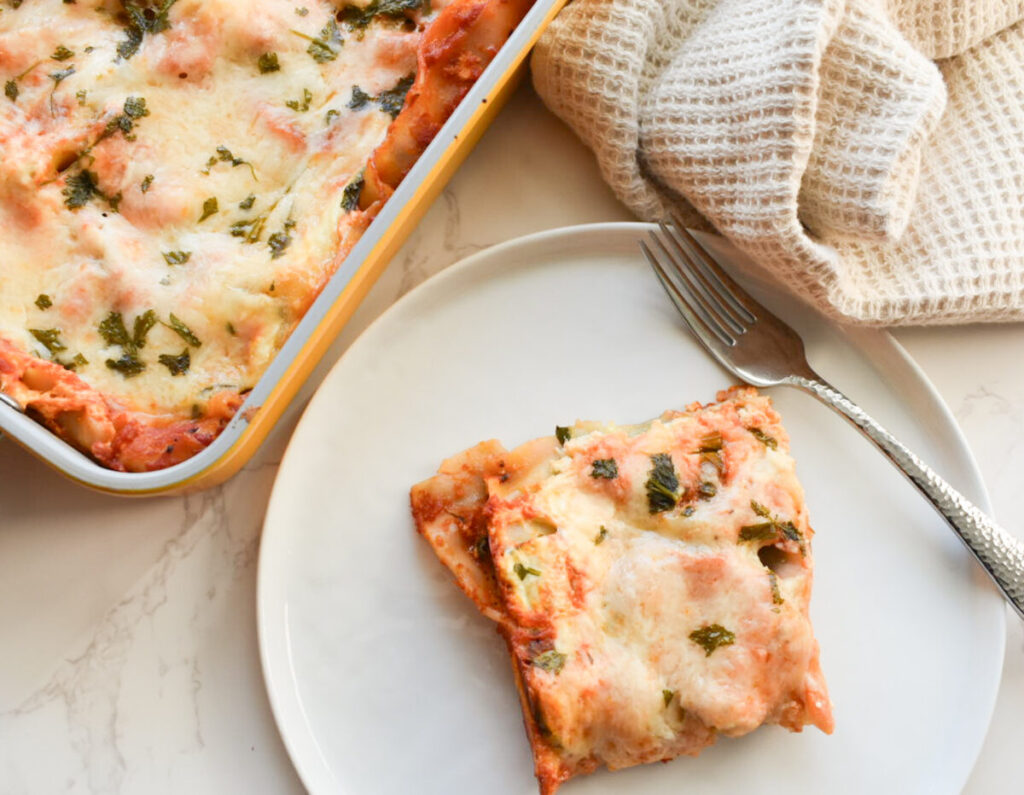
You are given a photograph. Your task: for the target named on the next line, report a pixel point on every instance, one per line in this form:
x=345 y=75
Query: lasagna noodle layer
x=180 y=178
x=652 y=582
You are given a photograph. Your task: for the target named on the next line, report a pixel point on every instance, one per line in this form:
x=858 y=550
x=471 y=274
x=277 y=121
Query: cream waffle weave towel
x=869 y=153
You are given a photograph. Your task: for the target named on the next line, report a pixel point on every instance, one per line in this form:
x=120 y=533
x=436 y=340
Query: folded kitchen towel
x=870 y=153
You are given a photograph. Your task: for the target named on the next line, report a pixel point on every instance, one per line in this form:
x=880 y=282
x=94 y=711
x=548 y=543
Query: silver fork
x=759 y=348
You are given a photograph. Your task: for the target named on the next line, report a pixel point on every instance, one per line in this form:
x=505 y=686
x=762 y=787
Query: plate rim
x=896 y=360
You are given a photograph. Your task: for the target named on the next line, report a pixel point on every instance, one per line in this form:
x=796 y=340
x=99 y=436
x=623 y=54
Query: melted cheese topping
x=649 y=606
x=216 y=201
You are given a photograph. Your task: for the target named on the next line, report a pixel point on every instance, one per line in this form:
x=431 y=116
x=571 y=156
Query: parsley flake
x=184 y=332
x=350 y=196
x=711 y=637
x=551 y=661
x=210 y=207
x=392 y=100
x=522 y=571
x=178 y=365
x=325 y=47
x=177 y=257
x=661 y=484
x=764 y=438
x=268 y=62
x=50 y=339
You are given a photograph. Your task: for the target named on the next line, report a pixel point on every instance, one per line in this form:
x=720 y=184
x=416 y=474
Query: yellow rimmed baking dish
x=328 y=314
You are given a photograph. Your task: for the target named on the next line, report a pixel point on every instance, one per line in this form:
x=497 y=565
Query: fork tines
x=707 y=297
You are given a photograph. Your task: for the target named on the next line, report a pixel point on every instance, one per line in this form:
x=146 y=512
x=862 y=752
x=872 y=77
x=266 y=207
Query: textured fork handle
x=999 y=553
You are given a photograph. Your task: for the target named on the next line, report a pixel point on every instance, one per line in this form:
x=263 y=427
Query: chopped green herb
x=50 y=338
x=231 y=328
x=278 y=242
x=764 y=438
x=706 y=490
x=77 y=361
x=134 y=109
x=325 y=47
x=563 y=434
x=268 y=62
x=177 y=257
x=551 y=661
x=178 y=365
x=43 y=301
x=789 y=531
x=714 y=458
x=113 y=331
x=301 y=106
x=482 y=548
x=762 y=531
x=771 y=529
x=61 y=75
x=521 y=571
x=360 y=99
x=224 y=155
x=773 y=580
x=601 y=535
x=80 y=95
x=689 y=510
x=80 y=188
x=605 y=468
x=392 y=100
x=62 y=53
x=711 y=636
x=147 y=16
x=711 y=443
x=210 y=207
x=667 y=696
x=302 y=11
x=662 y=484
x=141 y=328
x=357 y=17
x=127 y=365
x=350 y=196
x=332 y=114
x=248 y=202
x=11 y=90
x=251 y=228
x=147 y=183
x=184 y=332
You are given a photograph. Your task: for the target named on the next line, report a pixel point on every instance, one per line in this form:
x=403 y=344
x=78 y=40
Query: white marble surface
x=128 y=653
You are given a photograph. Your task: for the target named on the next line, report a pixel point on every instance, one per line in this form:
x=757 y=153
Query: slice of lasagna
x=652 y=582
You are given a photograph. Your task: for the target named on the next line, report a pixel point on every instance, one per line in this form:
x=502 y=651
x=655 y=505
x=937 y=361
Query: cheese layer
x=217 y=154
x=652 y=582
x=180 y=178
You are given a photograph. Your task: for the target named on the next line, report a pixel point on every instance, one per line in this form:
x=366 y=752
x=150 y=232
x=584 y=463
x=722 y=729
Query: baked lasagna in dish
x=180 y=178
x=652 y=582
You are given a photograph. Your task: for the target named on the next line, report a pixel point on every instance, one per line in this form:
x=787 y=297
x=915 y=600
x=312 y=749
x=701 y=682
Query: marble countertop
x=128 y=649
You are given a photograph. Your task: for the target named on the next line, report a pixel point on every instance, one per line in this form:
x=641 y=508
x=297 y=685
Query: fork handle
x=999 y=553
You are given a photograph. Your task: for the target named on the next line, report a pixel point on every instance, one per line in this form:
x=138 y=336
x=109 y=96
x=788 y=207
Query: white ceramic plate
x=384 y=679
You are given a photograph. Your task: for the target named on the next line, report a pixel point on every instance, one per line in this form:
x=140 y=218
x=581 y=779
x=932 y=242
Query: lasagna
x=180 y=178
x=651 y=581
